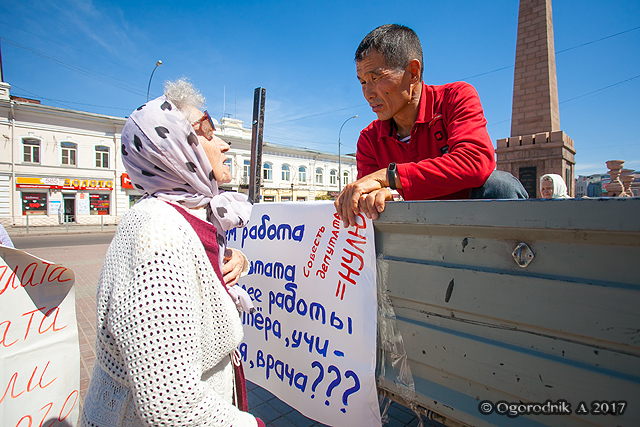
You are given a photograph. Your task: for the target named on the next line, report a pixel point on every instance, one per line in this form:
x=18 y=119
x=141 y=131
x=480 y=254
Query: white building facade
x=288 y=173
x=59 y=165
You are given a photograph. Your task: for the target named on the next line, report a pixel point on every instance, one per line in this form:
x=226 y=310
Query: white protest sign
x=39 y=351
x=312 y=339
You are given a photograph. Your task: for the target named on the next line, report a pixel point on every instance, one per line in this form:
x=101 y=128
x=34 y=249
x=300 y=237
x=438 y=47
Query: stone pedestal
x=529 y=157
x=615 y=187
x=627 y=176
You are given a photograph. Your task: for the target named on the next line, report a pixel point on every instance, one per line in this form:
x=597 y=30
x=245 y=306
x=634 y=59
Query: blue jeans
x=500 y=185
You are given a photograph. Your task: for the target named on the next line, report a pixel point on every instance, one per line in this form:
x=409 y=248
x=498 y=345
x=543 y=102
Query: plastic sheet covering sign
x=39 y=352
x=312 y=339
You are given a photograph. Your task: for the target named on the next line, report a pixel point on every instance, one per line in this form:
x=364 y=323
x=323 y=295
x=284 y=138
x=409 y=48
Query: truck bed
x=529 y=301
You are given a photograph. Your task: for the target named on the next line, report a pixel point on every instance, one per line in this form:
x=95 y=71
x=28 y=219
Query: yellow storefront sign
x=64 y=183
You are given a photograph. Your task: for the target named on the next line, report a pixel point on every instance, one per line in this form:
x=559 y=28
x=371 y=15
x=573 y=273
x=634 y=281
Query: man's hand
x=373 y=203
x=366 y=194
x=232 y=266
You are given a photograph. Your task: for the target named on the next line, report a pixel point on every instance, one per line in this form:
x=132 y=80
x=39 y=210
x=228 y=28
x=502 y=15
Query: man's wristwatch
x=392 y=172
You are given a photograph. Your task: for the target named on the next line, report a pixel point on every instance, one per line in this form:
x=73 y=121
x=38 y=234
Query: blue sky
x=98 y=57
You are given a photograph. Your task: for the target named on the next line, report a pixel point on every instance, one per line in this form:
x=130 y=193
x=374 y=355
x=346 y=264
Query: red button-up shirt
x=449 y=153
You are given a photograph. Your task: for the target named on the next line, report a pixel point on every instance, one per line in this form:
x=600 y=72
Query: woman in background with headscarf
x=552 y=186
x=167 y=304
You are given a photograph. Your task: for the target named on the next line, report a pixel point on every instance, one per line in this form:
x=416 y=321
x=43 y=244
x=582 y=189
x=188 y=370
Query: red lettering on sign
x=12 y=385
x=48 y=322
x=349 y=272
x=312 y=255
x=42 y=322
x=4 y=334
x=58 y=277
x=31 y=268
x=49 y=406
x=53 y=322
x=10 y=280
x=13 y=381
x=30 y=275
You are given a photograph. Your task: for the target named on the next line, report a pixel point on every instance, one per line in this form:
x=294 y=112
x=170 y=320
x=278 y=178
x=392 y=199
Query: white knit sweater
x=166 y=328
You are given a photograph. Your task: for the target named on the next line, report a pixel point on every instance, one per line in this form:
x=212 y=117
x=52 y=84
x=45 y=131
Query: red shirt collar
x=425 y=107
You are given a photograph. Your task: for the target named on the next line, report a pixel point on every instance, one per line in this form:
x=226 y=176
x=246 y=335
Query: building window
x=267 y=170
x=99 y=204
x=229 y=163
x=68 y=150
x=319 y=174
x=34 y=203
x=345 y=175
x=102 y=156
x=246 y=172
x=31 y=147
x=302 y=174
x=269 y=198
x=286 y=173
x=332 y=177
x=245 y=168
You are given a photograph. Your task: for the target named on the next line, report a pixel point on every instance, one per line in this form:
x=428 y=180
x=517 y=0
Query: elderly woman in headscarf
x=552 y=186
x=167 y=306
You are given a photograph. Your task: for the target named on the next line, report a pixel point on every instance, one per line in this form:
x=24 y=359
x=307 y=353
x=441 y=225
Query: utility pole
x=257 y=128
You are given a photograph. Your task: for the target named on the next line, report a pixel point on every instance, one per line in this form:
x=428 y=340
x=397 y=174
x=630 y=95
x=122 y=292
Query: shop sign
x=65 y=183
x=125 y=181
x=99 y=204
x=34 y=203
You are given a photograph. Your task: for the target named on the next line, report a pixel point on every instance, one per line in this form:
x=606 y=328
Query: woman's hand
x=233 y=265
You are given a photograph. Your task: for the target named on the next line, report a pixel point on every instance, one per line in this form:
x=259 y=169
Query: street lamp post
x=159 y=63
x=339 y=160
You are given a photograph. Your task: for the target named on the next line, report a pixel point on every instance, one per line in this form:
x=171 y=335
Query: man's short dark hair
x=398 y=44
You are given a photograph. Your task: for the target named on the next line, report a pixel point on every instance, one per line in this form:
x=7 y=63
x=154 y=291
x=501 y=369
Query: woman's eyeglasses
x=206 y=125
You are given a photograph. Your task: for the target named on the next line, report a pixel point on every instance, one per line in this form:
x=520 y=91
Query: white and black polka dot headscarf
x=164 y=158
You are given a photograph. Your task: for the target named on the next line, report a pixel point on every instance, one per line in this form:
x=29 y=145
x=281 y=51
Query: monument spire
x=535 y=85
x=537 y=145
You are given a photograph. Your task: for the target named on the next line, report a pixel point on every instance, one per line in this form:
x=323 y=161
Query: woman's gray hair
x=184 y=96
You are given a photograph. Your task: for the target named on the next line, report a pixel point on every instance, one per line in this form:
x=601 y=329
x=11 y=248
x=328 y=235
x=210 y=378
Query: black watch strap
x=392 y=170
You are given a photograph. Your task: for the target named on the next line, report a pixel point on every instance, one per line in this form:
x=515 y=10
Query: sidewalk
x=58 y=229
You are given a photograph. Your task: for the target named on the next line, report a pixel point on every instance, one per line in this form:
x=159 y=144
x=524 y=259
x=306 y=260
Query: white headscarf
x=164 y=158
x=559 y=187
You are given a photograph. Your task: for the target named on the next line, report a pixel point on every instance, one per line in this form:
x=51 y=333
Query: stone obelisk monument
x=536 y=145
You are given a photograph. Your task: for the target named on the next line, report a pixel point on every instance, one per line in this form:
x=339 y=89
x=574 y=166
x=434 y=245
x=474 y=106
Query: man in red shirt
x=429 y=142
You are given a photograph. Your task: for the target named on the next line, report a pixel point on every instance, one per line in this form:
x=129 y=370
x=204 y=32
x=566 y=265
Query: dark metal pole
x=257 y=128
